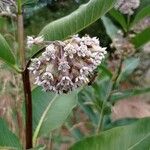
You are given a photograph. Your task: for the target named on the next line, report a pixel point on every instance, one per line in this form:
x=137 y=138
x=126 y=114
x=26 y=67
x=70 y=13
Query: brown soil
x=135 y=107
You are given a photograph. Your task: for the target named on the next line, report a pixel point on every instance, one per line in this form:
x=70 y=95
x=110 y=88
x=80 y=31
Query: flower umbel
x=67 y=65
x=127 y=6
x=8 y=8
x=124 y=48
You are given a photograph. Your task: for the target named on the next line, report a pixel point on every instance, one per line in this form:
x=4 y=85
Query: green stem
x=50 y=144
x=116 y=77
x=128 y=24
x=100 y=123
x=114 y=80
x=19 y=4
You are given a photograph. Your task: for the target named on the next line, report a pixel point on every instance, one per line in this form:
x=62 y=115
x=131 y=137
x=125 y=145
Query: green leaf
x=53 y=113
x=135 y=136
x=129 y=65
x=104 y=71
x=142 y=12
x=40 y=101
x=5 y=52
x=119 y=17
x=103 y=88
x=141 y=38
x=120 y=122
x=8 y=140
x=87 y=96
x=111 y=29
x=128 y=93
x=78 y=20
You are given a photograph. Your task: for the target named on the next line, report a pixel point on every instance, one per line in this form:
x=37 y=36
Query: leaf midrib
x=41 y=120
x=138 y=142
x=81 y=7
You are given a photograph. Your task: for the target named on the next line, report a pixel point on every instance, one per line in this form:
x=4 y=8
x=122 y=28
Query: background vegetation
x=109 y=108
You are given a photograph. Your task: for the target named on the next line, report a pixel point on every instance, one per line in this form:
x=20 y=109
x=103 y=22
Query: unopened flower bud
x=36 y=41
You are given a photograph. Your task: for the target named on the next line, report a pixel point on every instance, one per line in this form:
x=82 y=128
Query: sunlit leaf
x=78 y=20
x=52 y=110
x=135 y=136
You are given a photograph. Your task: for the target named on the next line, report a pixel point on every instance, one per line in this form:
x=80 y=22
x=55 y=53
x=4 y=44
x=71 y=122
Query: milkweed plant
x=65 y=72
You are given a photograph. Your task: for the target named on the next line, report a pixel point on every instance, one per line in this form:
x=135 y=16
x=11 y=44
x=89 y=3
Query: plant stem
x=21 y=41
x=50 y=144
x=25 y=77
x=100 y=123
x=114 y=80
x=128 y=23
x=116 y=77
x=28 y=106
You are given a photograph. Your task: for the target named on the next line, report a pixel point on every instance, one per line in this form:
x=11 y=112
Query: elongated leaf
x=104 y=71
x=54 y=112
x=120 y=122
x=111 y=29
x=87 y=95
x=5 y=52
x=141 y=38
x=119 y=17
x=78 y=20
x=142 y=11
x=8 y=140
x=129 y=65
x=128 y=93
x=40 y=101
x=135 y=136
x=103 y=88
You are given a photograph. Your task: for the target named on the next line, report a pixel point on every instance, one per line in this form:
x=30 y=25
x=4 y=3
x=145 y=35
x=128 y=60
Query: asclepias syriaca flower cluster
x=8 y=8
x=127 y=6
x=64 y=66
